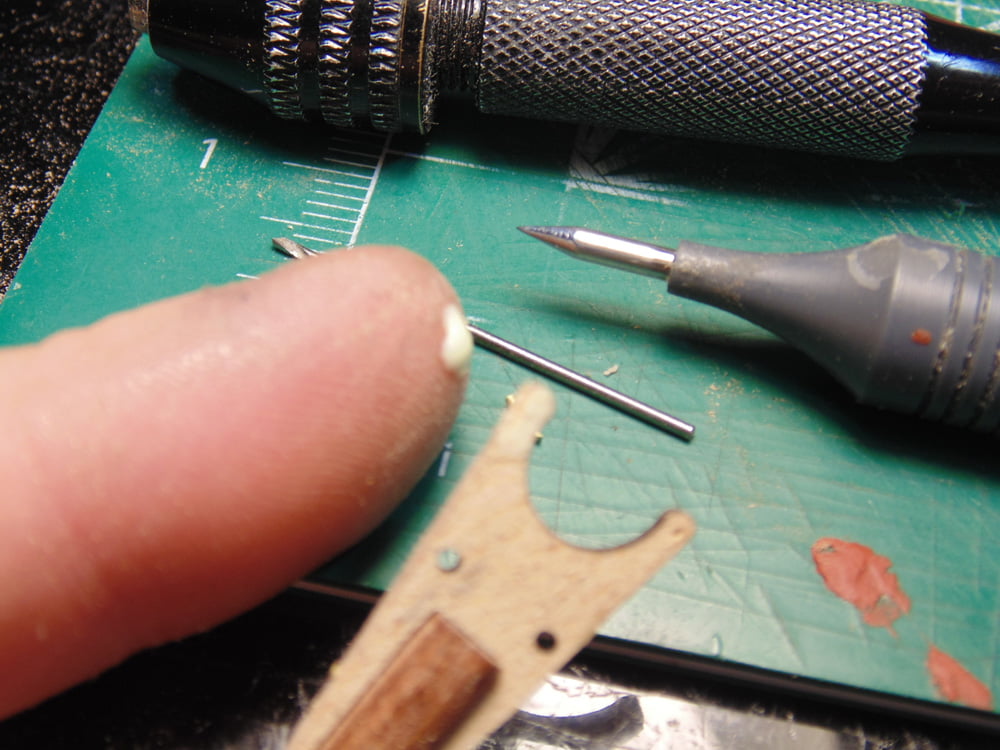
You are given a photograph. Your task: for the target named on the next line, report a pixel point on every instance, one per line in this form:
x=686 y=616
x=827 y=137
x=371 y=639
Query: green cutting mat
x=181 y=184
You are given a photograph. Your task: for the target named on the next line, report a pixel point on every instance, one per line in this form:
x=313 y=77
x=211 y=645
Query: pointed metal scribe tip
x=559 y=237
x=607 y=249
x=291 y=248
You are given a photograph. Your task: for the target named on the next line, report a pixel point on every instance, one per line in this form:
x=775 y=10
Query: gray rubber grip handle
x=905 y=323
x=833 y=76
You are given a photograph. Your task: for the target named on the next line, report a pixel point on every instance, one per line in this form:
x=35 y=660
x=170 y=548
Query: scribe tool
x=488 y=604
x=904 y=323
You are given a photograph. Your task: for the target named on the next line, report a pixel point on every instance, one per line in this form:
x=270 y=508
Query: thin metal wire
x=547 y=367
x=582 y=383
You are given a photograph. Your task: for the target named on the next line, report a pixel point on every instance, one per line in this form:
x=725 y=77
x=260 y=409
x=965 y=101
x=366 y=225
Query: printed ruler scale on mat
x=783 y=461
x=336 y=208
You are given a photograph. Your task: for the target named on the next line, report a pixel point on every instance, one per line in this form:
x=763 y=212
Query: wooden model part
x=488 y=604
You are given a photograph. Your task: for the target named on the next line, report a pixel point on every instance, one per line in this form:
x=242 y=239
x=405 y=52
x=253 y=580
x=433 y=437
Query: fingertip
x=186 y=460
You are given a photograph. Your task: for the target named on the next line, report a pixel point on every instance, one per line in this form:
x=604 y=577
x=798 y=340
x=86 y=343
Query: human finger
x=169 y=467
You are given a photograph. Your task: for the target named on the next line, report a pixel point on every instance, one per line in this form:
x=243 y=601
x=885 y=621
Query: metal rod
x=582 y=383
x=292 y=249
x=547 y=367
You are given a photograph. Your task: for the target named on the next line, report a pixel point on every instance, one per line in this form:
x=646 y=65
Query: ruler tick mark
x=331 y=205
x=354 y=175
x=327 y=216
x=339 y=195
x=340 y=184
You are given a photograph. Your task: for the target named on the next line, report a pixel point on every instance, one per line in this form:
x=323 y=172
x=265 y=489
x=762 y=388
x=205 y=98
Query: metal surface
x=572 y=712
x=831 y=76
x=607 y=250
x=841 y=77
x=291 y=248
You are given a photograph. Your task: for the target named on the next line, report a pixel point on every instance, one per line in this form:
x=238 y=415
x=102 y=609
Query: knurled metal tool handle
x=846 y=77
x=840 y=76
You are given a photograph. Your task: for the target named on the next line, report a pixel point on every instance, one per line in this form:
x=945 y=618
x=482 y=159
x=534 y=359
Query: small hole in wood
x=545 y=641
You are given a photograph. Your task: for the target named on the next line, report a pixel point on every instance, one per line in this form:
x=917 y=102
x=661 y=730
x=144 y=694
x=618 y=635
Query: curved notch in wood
x=527 y=600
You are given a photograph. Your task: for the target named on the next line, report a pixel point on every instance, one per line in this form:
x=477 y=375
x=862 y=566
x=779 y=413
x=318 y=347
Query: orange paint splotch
x=955 y=683
x=860 y=576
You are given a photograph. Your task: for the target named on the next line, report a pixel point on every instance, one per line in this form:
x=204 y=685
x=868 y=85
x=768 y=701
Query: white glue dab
x=456 y=348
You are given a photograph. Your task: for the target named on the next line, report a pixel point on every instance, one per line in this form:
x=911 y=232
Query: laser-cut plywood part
x=488 y=587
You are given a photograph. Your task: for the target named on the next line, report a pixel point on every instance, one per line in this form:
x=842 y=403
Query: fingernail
x=456 y=349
